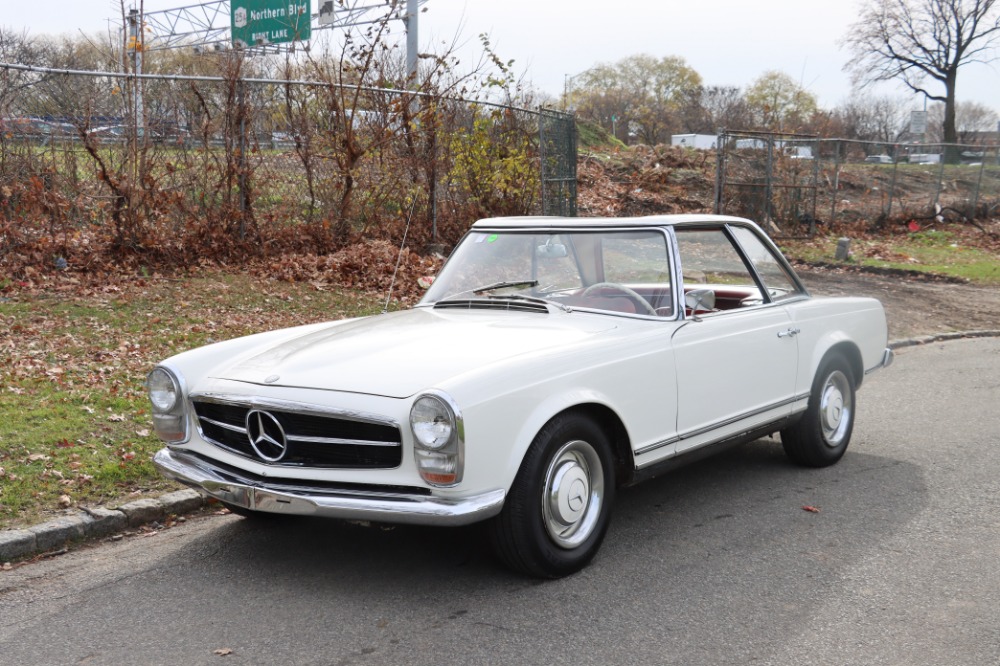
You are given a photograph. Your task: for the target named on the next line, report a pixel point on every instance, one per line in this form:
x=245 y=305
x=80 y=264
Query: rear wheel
x=559 y=506
x=821 y=436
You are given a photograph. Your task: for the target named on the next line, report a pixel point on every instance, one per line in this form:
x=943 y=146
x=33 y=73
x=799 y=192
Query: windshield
x=626 y=272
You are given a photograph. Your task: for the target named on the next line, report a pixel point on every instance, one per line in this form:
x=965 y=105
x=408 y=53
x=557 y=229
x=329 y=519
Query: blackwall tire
x=558 y=509
x=821 y=436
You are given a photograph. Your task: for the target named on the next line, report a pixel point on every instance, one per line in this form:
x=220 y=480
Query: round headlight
x=432 y=422
x=163 y=390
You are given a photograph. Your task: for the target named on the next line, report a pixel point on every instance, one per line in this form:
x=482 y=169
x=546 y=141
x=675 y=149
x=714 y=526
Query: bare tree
x=726 y=108
x=974 y=122
x=868 y=118
x=923 y=43
x=20 y=48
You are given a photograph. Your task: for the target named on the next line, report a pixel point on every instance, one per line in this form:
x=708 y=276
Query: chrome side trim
x=394 y=508
x=887 y=357
x=657 y=445
x=741 y=417
x=715 y=426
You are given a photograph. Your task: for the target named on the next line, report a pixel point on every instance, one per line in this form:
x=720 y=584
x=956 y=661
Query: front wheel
x=821 y=436
x=559 y=506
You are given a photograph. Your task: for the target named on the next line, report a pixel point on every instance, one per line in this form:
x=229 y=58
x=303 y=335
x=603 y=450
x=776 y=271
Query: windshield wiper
x=503 y=285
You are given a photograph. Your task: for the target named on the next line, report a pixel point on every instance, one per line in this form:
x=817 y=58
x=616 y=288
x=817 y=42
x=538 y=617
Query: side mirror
x=699 y=299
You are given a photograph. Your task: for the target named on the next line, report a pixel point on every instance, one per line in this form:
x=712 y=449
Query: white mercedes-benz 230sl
x=552 y=361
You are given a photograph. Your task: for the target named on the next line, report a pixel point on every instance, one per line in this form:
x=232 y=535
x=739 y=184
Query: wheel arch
x=606 y=418
x=614 y=429
x=850 y=353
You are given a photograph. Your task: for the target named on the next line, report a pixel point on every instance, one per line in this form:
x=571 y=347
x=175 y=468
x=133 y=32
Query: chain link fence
x=794 y=183
x=558 y=147
x=171 y=164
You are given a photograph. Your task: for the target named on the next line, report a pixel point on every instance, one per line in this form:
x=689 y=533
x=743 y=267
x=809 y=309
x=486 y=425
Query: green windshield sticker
x=492 y=238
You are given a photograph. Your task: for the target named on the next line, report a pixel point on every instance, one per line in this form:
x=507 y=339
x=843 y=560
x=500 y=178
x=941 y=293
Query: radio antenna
x=399 y=259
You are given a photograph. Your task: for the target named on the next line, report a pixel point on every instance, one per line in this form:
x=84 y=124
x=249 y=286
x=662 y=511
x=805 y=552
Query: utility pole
x=411 y=22
x=135 y=51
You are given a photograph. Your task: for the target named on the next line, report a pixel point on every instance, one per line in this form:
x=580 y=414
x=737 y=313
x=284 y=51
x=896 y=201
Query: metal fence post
x=815 y=188
x=768 y=193
x=836 y=182
x=979 y=183
x=892 y=185
x=241 y=178
x=720 y=170
x=940 y=178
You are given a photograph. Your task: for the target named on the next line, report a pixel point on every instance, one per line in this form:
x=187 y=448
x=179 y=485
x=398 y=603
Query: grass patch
x=74 y=417
x=593 y=136
x=938 y=252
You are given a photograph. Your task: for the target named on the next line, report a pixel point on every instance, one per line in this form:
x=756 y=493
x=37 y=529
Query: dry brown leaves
x=368 y=266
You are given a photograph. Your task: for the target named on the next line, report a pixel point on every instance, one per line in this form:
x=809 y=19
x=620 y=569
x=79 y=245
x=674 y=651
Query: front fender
x=545 y=412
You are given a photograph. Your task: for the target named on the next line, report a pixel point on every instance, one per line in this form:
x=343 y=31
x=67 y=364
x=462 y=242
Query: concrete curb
x=942 y=337
x=99 y=523
x=84 y=524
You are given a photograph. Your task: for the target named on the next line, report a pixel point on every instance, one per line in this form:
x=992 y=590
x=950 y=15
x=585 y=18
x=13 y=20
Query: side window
x=710 y=261
x=708 y=257
x=774 y=276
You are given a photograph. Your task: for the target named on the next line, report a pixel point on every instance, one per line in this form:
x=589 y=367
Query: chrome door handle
x=790 y=333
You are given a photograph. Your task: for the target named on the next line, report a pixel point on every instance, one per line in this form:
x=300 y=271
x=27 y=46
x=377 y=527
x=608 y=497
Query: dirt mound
x=645 y=181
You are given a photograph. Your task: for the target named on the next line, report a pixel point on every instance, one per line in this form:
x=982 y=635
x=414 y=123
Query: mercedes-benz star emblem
x=266 y=435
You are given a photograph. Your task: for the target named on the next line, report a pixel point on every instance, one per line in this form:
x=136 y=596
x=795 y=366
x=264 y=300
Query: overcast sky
x=728 y=42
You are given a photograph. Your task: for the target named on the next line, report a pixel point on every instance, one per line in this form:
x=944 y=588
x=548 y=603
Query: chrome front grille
x=305 y=439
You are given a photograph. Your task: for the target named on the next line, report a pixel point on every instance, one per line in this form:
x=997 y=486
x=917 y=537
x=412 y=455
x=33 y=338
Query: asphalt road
x=716 y=563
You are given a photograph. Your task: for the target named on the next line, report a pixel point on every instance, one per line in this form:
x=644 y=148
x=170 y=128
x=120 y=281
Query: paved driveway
x=716 y=563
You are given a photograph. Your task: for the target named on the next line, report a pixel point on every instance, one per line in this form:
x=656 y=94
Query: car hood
x=400 y=354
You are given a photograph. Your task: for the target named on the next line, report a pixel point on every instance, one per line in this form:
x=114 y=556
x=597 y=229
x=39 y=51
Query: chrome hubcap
x=835 y=408
x=573 y=494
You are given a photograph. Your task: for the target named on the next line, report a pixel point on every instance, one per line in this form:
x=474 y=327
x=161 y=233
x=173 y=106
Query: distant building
x=697 y=141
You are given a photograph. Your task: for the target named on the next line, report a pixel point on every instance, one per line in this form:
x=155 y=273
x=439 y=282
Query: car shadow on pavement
x=743 y=503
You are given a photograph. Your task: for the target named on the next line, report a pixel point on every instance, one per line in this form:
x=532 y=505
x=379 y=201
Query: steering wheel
x=636 y=299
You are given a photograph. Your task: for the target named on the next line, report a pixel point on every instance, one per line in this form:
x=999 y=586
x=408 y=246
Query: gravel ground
x=914 y=306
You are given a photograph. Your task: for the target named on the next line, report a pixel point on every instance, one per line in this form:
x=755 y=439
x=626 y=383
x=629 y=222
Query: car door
x=735 y=362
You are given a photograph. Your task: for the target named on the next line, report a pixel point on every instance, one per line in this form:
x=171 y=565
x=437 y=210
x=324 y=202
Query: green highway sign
x=259 y=22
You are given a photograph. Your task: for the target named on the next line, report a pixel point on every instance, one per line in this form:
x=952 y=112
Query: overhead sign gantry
x=264 y=22
x=213 y=25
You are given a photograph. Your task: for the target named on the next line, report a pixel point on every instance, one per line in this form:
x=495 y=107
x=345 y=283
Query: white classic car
x=552 y=361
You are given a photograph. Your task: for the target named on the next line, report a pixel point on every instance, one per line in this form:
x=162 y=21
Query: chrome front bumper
x=390 y=507
x=887 y=357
